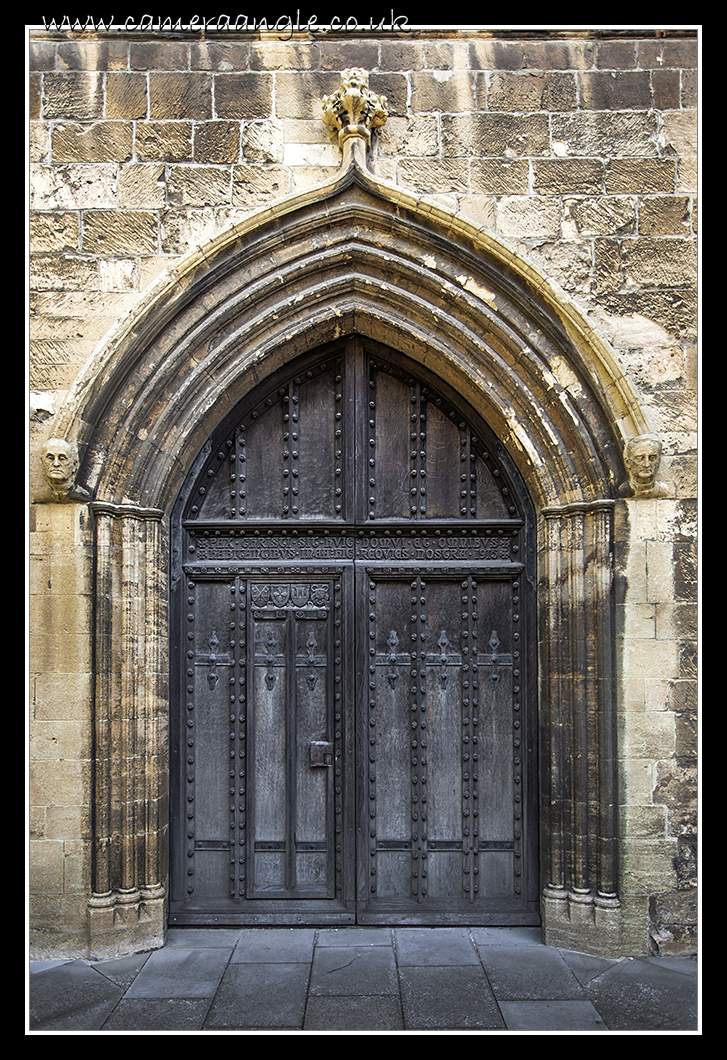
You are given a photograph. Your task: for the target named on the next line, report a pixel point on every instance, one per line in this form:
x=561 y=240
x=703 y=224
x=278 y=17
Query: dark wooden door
x=353 y=729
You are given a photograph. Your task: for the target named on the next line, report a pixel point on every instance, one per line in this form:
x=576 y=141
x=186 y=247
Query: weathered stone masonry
x=570 y=158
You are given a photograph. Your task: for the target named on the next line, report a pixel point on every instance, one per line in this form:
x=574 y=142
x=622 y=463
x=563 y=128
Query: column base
x=582 y=921
x=125 y=922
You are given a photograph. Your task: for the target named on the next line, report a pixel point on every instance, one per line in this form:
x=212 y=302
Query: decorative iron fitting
x=354 y=110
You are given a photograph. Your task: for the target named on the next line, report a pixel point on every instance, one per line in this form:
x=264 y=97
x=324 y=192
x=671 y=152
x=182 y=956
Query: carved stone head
x=642 y=457
x=59 y=460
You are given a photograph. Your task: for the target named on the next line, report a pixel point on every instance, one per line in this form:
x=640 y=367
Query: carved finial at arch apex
x=642 y=457
x=354 y=110
x=59 y=460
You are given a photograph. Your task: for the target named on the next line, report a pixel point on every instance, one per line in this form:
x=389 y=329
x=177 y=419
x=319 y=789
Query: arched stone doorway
x=354 y=257
x=353 y=682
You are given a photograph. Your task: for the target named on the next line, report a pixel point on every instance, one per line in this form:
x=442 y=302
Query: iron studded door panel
x=266 y=771
x=352 y=738
x=442 y=807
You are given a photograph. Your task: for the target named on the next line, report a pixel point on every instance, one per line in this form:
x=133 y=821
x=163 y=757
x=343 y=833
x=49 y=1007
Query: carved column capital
x=354 y=110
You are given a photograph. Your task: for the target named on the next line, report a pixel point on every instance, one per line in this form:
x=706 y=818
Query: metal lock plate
x=321 y=753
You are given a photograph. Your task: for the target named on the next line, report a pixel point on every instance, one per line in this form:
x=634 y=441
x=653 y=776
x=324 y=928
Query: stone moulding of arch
x=355 y=254
x=353 y=243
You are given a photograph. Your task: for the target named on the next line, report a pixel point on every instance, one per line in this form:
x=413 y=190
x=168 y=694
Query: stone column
x=577 y=728
x=127 y=907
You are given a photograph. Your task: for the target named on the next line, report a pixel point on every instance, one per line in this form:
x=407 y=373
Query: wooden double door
x=352 y=734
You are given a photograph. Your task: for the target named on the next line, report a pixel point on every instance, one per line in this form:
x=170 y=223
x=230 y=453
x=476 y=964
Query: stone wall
x=577 y=150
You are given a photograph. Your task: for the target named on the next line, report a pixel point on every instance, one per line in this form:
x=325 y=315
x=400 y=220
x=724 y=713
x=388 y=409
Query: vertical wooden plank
x=312 y=819
x=268 y=749
x=389 y=417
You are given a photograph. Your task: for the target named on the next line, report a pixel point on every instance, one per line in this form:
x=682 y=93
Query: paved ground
x=363 y=980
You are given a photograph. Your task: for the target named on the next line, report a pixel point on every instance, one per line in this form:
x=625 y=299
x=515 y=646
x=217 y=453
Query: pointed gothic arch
x=355 y=257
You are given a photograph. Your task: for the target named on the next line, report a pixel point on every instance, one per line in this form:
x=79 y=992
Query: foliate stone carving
x=59 y=460
x=354 y=110
x=642 y=457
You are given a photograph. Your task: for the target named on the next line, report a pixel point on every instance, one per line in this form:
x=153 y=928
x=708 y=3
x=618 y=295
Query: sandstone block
x=112 y=232
x=176 y=96
x=126 y=95
x=595 y=134
x=142 y=186
x=217 y=142
x=158 y=55
x=73 y=187
x=198 y=185
x=39 y=142
x=527 y=91
x=83 y=54
x=74 y=96
x=496 y=176
x=255 y=185
x=676 y=785
x=106 y=141
x=443 y=91
x=666 y=88
x=434 y=175
x=644 y=176
x=283 y=55
x=263 y=142
x=219 y=56
x=656 y=262
x=665 y=215
x=58 y=783
x=500 y=135
x=245 y=95
x=570 y=176
x=649 y=734
x=62 y=274
x=606 y=216
x=415 y=137
x=615 y=54
x=680 y=132
x=528 y=217
x=45 y=867
x=164 y=141
x=608 y=90
x=662 y=54
x=647 y=865
x=53 y=232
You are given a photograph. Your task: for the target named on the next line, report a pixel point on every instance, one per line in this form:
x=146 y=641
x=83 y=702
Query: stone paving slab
x=260 y=996
x=345 y=1013
x=71 y=997
x=434 y=946
x=643 y=995
x=364 y=970
x=448 y=998
x=542 y=975
x=284 y=945
x=180 y=973
x=158 y=1014
x=551 y=1016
